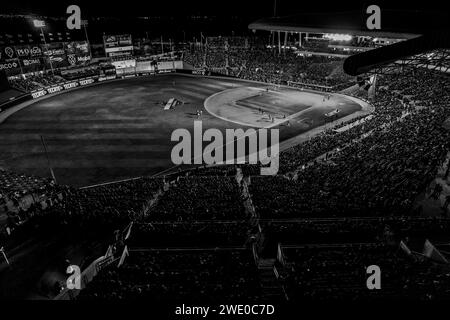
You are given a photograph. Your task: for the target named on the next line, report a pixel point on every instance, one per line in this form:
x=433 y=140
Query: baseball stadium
x=93 y=205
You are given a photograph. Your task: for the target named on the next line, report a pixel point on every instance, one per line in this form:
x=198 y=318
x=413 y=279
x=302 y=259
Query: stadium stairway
x=430 y=206
x=271 y=288
x=245 y=194
x=154 y=201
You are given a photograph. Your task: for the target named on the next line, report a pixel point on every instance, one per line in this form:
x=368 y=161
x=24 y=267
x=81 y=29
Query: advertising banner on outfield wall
x=199 y=72
x=165 y=65
x=178 y=64
x=129 y=63
x=144 y=66
x=65 y=86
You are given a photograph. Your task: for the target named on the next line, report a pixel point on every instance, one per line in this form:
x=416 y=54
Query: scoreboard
x=118 y=45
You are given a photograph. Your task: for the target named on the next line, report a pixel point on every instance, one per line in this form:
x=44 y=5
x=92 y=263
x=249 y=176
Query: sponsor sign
x=56 y=55
x=166 y=71
x=78 y=53
x=110 y=41
x=119 y=49
x=7 y=53
x=107 y=78
x=83 y=59
x=70 y=85
x=38 y=94
x=36 y=51
x=28 y=51
x=31 y=62
x=65 y=86
x=72 y=59
x=79 y=47
x=23 y=51
x=55 y=52
x=199 y=72
x=12 y=58
x=124 y=40
x=27 y=57
x=118 y=45
x=86 y=82
x=55 y=89
x=124 y=64
x=9 y=65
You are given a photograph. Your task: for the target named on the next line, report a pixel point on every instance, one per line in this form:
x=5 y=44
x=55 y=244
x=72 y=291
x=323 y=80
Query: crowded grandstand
x=367 y=188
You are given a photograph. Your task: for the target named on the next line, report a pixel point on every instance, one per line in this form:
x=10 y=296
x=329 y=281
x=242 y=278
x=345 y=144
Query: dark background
x=190 y=20
x=244 y=8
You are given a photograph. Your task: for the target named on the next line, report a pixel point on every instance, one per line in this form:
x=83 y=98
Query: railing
x=86 y=276
x=95 y=267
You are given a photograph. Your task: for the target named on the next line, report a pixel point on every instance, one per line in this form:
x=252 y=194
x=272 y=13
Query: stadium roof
x=354 y=23
x=424 y=32
x=428 y=51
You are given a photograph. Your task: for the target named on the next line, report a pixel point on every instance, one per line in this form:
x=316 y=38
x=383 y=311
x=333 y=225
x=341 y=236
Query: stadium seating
x=200 y=198
x=34 y=82
x=321 y=273
x=179 y=275
x=261 y=64
x=99 y=208
x=381 y=165
x=191 y=234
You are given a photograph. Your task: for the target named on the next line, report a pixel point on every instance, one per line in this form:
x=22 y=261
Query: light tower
x=41 y=24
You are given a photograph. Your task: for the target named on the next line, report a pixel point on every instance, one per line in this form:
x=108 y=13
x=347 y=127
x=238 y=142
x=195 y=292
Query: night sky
x=226 y=17
x=253 y=8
